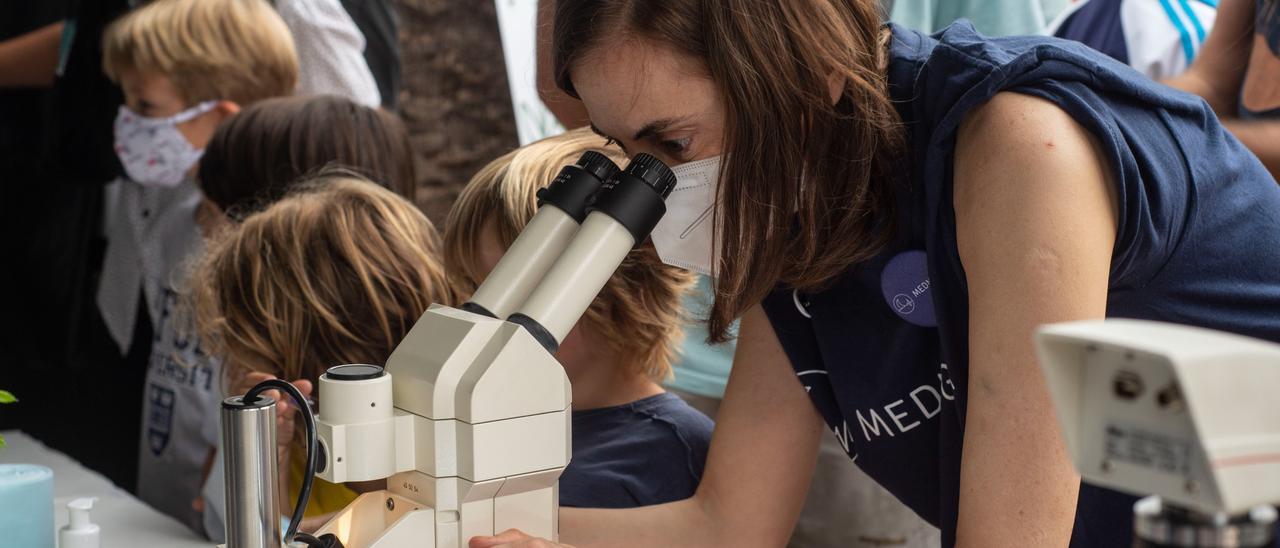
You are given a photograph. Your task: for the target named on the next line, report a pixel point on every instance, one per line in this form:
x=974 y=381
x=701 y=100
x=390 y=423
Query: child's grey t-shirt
x=152 y=238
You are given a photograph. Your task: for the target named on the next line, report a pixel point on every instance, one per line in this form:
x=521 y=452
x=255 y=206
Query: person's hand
x=512 y=538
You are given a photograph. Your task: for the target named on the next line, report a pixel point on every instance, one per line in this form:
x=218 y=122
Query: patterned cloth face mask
x=152 y=150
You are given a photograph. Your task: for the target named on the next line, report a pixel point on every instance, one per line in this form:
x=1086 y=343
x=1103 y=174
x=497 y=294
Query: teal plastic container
x=26 y=505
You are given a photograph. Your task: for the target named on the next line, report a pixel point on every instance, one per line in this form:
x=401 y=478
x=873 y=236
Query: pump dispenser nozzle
x=80 y=532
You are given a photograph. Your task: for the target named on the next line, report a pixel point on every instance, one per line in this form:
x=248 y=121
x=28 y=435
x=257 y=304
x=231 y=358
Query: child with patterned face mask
x=184 y=66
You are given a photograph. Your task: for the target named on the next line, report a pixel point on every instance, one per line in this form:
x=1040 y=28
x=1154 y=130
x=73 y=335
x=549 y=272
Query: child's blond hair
x=638 y=314
x=234 y=50
x=336 y=272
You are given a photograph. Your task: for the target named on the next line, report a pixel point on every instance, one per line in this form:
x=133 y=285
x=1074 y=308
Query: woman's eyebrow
x=650 y=129
x=657 y=126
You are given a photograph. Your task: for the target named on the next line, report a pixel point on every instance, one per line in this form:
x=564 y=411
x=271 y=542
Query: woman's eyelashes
x=672 y=150
x=675 y=147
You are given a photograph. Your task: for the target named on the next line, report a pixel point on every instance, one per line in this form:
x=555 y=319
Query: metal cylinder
x=249 y=443
x=1159 y=525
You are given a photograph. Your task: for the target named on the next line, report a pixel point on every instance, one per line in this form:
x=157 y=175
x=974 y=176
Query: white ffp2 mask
x=684 y=237
x=152 y=150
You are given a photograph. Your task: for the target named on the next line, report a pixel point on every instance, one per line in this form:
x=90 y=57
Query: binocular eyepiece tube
x=619 y=218
x=544 y=238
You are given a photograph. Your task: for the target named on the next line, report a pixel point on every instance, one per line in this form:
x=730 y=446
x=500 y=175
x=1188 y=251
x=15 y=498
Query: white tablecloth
x=126 y=522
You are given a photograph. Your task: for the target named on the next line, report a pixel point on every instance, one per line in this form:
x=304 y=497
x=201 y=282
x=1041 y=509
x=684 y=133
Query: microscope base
x=384 y=519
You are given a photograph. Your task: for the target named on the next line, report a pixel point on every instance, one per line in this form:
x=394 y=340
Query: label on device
x=1148 y=449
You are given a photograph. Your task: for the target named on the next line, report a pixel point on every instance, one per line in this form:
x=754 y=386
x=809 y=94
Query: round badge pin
x=906 y=288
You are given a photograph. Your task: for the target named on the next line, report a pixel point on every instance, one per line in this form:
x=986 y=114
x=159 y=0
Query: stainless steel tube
x=249 y=443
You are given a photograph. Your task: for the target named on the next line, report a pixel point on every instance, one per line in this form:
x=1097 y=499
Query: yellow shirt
x=325 y=497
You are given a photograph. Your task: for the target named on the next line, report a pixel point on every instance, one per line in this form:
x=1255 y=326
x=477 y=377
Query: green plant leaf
x=6 y=397
x=1 y=441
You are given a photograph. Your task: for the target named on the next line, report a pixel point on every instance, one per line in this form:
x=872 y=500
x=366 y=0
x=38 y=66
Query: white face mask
x=152 y=150
x=684 y=237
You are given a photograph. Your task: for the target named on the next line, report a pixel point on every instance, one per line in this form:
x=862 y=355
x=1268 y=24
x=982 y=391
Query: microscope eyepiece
x=634 y=198
x=654 y=173
x=598 y=165
x=573 y=188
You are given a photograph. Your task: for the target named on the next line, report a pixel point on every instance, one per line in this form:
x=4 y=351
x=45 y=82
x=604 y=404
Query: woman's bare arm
x=1220 y=65
x=30 y=60
x=1035 y=224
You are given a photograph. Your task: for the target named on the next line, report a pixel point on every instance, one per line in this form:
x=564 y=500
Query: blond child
x=184 y=66
x=633 y=443
x=254 y=159
x=336 y=272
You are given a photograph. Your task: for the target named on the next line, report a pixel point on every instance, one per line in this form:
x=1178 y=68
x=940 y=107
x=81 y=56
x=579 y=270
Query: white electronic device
x=1187 y=414
x=469 y=422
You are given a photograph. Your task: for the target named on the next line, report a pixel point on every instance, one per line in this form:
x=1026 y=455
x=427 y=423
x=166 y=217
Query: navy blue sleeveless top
x=883 y=353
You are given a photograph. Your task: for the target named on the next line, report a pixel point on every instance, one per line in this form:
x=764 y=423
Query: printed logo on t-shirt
x=905 y=284
x=904 y=414
x=159 y=417
x=817 y=383
x=900 y=416
x=181 y=392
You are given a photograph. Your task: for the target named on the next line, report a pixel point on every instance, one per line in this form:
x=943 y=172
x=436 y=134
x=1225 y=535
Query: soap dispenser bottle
x=80 y=533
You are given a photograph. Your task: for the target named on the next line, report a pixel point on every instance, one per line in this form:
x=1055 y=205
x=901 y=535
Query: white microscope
x=1186 y=415
x=469 y=423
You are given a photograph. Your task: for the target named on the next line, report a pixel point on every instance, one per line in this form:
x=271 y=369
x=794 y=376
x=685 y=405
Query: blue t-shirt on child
x=646 y=452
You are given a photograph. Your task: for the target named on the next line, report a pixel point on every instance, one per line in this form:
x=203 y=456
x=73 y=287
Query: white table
x=126 y=522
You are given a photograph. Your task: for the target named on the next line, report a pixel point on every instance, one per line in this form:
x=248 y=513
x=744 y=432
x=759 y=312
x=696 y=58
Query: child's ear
x=226 y=109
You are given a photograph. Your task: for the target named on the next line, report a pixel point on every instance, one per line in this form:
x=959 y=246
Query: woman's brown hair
x=638 y=315
x=805 y=190
x=253 y=158
x=336 y=272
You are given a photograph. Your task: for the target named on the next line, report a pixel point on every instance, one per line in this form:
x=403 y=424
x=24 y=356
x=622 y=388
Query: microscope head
x=1185 y=413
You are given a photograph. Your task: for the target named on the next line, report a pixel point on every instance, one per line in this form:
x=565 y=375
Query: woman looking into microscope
x=895 y=215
